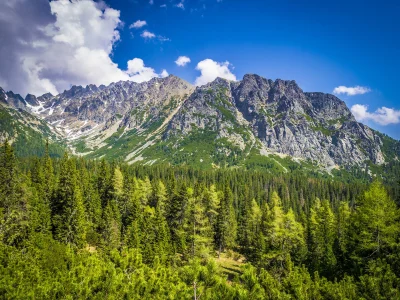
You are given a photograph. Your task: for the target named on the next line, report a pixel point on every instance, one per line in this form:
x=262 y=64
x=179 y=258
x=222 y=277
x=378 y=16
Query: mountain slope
x=260 y=116
x=26 y=132
x=255 y=122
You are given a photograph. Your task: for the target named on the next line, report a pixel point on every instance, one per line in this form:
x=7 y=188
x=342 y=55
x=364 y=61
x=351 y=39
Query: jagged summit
x=168 y=119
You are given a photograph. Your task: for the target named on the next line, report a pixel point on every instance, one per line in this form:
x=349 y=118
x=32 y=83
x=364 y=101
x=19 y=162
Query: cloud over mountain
x=351 y=91
x=383 y=116
x=51 y=45
x=211 y=69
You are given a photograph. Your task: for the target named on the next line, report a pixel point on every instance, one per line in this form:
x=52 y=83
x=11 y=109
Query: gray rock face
x=313 y=126
x=3 y=96
x=254 y=114
x=31 y=100
x=121 y=105
x=15 y=100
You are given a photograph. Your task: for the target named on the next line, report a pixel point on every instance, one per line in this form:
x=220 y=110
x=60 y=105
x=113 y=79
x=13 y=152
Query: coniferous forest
x=72 y=228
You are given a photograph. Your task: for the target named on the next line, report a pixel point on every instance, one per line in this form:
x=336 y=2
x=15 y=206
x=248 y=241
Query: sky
x=348 y=48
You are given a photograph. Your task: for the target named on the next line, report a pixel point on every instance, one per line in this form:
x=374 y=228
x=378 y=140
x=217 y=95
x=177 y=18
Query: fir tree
x=68 y=208
x=226 y=222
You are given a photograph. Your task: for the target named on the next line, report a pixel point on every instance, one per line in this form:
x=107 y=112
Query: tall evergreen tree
x=322 y=230
x=68 y=207
x=225 y=234
x=284 y=236
x=197 y=227
x=375 y=224
x=8 y=179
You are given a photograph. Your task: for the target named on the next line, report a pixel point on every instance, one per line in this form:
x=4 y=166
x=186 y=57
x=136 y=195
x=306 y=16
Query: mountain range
x=253 y=123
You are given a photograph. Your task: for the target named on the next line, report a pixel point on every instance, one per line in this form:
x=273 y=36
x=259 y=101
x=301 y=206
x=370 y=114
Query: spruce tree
x=197 y=227
x=226 y=222
x=68 y=207
x=375 y=224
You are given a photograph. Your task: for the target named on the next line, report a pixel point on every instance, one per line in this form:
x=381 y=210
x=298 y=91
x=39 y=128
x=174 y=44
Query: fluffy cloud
x=210 y=70
x=47 y=46
x=138 y=24
x=164 y=73
x=147 y=34
x=382 y=116
x=351 y=91
x=138 y=72
x=182 y=61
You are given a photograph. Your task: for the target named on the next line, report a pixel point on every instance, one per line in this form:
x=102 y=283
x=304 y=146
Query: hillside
x=27 y=132
x=252 y=123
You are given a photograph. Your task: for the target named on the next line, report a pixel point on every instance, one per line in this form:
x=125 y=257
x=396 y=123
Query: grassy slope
x=27 y=133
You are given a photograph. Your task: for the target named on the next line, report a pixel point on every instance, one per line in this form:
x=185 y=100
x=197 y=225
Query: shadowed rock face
x=283 y=118
x=255 y=113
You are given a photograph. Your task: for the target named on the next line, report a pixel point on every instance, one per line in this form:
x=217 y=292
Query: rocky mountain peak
x=31 y=100
x=3 y=95
x=234 y=119
x=45 y=97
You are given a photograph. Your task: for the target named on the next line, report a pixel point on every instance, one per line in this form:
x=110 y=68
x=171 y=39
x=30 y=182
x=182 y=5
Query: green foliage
x=28 y=134
x=77 y=229
x=375 y=224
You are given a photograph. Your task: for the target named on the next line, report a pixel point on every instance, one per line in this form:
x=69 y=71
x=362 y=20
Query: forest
x=72 y=228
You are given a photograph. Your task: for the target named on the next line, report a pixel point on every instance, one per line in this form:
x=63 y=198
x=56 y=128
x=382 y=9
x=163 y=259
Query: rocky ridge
x=168 y=119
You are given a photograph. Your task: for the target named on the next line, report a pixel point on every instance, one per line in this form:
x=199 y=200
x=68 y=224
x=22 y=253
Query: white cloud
x=182 y=61
x=382 y=116
x=151 y=2
x=351 y=91
x=180 y=4
x=147 y=35
x=163 y=5
x=50 y=45
x=210 y=70
x=138 y=72
x=164 y=74
x=150 y=35
x=138 y=24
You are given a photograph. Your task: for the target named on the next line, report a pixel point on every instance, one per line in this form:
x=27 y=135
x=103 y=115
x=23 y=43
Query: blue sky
x=320 y=45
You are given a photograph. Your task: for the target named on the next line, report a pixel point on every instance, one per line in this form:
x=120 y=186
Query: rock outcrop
x=236 y=119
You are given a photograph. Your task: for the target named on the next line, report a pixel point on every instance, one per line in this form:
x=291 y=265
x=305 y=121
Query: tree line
x=75 y=228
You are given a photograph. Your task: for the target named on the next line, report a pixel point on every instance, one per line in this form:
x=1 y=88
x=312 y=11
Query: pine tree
x=375 y=224
x=117 y=184
x=163 y=239
x=211 y=204
x=197 y=227
x=149 y=244
x=39 y=213
x=226 y=222
x=8 y=179
x=250 y=227
x=175 y=217
x=160 y=198
x=111 y=227
x=104 y=184
x=14 y=225
x=342 y=237
x=48 y=173
x=322 y=230
x=68 y=208
x=284 y=236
